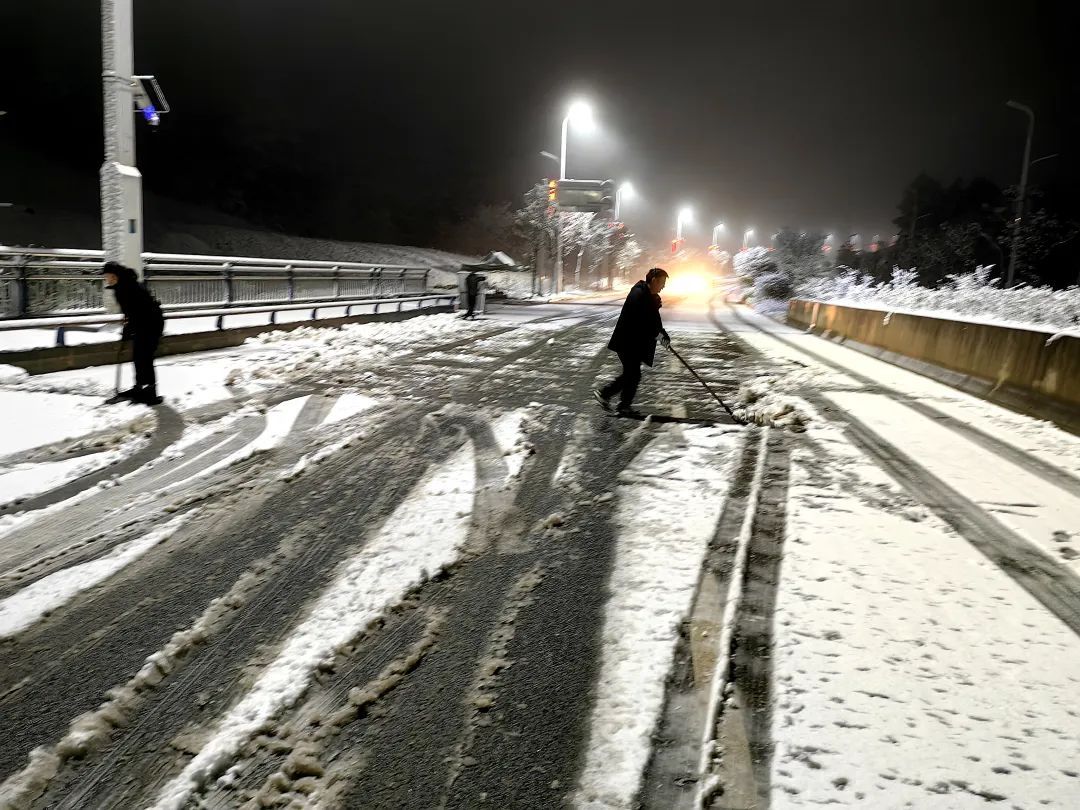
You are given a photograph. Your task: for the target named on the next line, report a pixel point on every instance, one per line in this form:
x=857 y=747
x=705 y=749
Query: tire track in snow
x=264 y=769
x=397 y=559
x=662 y=541
x=83 y=518
x=24 y=607
x=208 y=685
x=230 y=538
x=1062 y=479
x=170 y=426
x=1053 y=585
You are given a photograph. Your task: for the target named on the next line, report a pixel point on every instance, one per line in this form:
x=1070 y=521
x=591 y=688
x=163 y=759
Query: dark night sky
x=364 y=120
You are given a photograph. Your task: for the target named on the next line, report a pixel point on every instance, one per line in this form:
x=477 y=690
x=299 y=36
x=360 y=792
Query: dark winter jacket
x=639 y=325
x=472 y=283
x=140 y=308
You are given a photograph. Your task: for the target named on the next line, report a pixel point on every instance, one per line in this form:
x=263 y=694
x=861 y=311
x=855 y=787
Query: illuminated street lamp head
x=627 y=189
x=686 y=214
x=581 y=116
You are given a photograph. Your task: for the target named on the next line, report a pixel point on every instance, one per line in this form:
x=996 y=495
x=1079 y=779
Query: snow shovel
x=119 y=355
x=738 y=421
x=116 y=398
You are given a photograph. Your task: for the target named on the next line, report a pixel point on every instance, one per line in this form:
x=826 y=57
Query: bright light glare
x=687 y=283
x=627 y=190
x=686 y=215
x=581 y=116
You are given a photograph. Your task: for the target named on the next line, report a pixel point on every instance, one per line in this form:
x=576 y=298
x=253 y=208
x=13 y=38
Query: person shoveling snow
x=143 y=326
x=634 y=340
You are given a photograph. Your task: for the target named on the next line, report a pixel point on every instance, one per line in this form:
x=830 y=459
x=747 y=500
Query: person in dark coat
x=143 y=325
x=472 y=292
x=634 y=339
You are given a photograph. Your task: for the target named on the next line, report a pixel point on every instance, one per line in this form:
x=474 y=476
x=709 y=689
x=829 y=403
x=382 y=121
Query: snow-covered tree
x=628 y=255
x=765 y=279
x=535 y=223
x=799 y=253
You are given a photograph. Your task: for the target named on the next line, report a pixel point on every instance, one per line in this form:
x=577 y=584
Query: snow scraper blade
x=715 y=396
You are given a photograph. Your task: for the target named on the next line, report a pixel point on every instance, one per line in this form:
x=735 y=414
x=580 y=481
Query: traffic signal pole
x=121 y=183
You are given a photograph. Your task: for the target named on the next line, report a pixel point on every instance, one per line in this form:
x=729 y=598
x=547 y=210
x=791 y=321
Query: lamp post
x=749 y=232
x=580 y=114
x=1011 y=274
x=685 y=215
x=624 y=190
x=718 y=229
x=121 y=183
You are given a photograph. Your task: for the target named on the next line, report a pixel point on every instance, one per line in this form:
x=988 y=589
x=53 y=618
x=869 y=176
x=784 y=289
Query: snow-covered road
x=412 y=565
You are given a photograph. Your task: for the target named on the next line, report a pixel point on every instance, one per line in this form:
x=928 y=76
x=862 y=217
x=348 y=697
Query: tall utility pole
x=1010 y=277
x=121 y=183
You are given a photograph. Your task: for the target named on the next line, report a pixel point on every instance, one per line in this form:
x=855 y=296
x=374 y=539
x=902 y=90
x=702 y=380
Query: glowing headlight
x=687 y=284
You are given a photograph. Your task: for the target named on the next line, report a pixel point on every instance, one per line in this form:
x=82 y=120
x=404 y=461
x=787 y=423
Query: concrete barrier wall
x=1021 y=360
x=62 y=358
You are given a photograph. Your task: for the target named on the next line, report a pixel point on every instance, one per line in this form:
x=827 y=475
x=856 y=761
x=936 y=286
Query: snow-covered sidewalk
x=910 y=670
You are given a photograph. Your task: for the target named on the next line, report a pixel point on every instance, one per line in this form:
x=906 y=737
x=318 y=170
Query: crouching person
x=143 y=325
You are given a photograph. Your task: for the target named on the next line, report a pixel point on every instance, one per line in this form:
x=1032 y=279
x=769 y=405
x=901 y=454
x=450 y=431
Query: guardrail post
x=228 y=273
x=60 y=331
x=291 y=276
x=22 y=289
x=337 y=282
x=220 y=322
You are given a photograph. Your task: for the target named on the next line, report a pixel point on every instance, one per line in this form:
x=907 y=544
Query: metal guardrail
x=37 y=282
x=83 y=322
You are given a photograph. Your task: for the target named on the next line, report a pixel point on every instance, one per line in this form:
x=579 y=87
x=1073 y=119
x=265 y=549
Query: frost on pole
x=121 y=183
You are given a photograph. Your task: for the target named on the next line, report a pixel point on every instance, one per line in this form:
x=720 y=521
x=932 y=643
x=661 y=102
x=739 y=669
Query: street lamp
x=718 y=229
x=746 y=238
x=580 y=114
x=685 y=215
x=1011 y=275
x=624 y=190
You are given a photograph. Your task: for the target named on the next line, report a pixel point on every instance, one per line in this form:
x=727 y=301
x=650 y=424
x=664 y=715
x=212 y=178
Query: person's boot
x=598 y=395
x=147 y=395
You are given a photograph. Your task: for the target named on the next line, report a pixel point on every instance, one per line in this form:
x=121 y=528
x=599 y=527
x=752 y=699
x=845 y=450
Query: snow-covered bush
x=776 y=284
x=748 y=263
x=971 y=294
x=769 y=286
